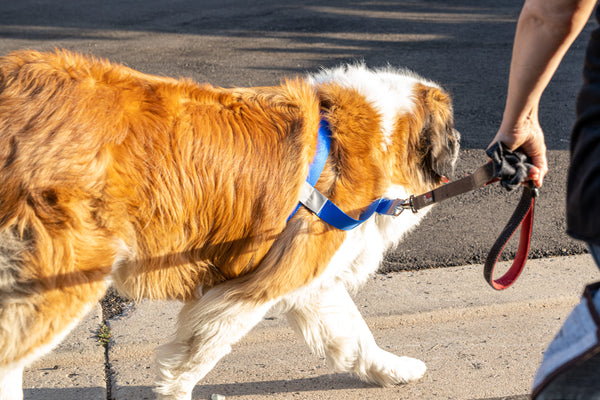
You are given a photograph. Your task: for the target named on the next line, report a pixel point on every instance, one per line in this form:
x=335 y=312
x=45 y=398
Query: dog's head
x=424 y=141
x=401 y=122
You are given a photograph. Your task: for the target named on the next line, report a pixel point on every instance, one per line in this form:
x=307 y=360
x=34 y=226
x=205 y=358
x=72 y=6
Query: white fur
x=332 y=326
x=15 y=311
x=11 y=376
x=364 y=247
x=325 y=315
x=10 y=383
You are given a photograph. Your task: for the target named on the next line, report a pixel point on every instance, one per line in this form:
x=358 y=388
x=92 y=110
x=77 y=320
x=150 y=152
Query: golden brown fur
x=170 y=188
x=94 y=156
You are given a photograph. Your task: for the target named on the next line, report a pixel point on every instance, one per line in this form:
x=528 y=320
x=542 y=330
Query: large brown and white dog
x=168 y=189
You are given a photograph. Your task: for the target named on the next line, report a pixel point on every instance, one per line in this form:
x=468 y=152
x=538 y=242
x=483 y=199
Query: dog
x=168 y=189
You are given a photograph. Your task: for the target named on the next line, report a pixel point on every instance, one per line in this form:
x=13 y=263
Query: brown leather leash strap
x=523 y=216
x=481 y=177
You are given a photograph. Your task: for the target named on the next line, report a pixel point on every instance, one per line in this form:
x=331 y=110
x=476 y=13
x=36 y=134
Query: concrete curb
x=477 y=343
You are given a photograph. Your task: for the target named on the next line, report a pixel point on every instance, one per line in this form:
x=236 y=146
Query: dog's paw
x=163 y=393
x=390 y=369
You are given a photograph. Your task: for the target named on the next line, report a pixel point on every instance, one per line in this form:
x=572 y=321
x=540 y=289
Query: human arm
x=545 y=31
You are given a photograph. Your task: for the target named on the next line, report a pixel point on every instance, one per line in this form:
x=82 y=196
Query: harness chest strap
x=319 y=204
x=318 y=163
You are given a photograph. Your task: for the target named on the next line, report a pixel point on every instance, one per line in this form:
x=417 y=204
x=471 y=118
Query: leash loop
x=523 y=217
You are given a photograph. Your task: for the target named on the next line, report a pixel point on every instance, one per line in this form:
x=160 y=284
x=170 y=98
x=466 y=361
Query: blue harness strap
x=316 y=202
x=318 y=163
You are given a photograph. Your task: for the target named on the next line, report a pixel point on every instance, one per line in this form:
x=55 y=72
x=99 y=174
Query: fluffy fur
x=173 y=190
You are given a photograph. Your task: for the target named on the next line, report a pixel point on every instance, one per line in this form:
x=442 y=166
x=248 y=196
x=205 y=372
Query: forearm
x=545 y=31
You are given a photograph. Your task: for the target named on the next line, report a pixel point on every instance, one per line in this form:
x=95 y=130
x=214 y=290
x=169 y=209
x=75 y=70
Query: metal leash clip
x=408 y=204
x=398 y=206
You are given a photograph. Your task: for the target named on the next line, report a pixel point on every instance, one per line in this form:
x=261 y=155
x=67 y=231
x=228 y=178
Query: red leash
x=523 y=216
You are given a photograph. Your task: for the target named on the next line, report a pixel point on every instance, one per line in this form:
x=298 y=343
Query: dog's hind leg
x=332 y=325
x=206 y=330
x=33 y=328
x=40 y=302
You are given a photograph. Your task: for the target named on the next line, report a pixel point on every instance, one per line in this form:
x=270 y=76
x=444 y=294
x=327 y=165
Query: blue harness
x=316 y=202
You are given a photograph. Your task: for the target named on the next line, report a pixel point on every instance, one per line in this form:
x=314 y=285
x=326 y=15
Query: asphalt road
x=464 y=44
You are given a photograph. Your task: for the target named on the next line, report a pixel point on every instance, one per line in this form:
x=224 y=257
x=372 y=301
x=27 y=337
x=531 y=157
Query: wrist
x=521 y=124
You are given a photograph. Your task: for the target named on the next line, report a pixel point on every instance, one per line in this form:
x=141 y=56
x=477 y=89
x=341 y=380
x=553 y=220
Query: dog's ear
x=439 y=141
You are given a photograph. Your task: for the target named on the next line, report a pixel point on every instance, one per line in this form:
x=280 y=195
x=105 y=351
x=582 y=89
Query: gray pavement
x=477 y=343
x=464 y=44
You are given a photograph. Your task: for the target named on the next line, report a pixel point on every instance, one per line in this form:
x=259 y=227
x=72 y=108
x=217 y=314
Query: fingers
x=535 y=148
x=541 y=169
x=534 y=175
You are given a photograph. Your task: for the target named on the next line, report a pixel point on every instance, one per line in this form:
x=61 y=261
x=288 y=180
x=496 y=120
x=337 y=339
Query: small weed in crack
x=113 y=305
x=103 y=335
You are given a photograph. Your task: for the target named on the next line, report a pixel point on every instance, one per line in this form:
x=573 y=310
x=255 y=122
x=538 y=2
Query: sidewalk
x=477 y=343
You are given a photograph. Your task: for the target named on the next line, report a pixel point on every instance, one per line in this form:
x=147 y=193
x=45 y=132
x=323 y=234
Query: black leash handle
x=522 y=216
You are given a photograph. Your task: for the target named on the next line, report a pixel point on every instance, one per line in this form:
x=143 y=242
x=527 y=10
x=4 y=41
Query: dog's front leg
x=206 y=330
x=331 y=324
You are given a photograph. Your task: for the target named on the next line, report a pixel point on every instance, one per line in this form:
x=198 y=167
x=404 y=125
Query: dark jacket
x=583 y=187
